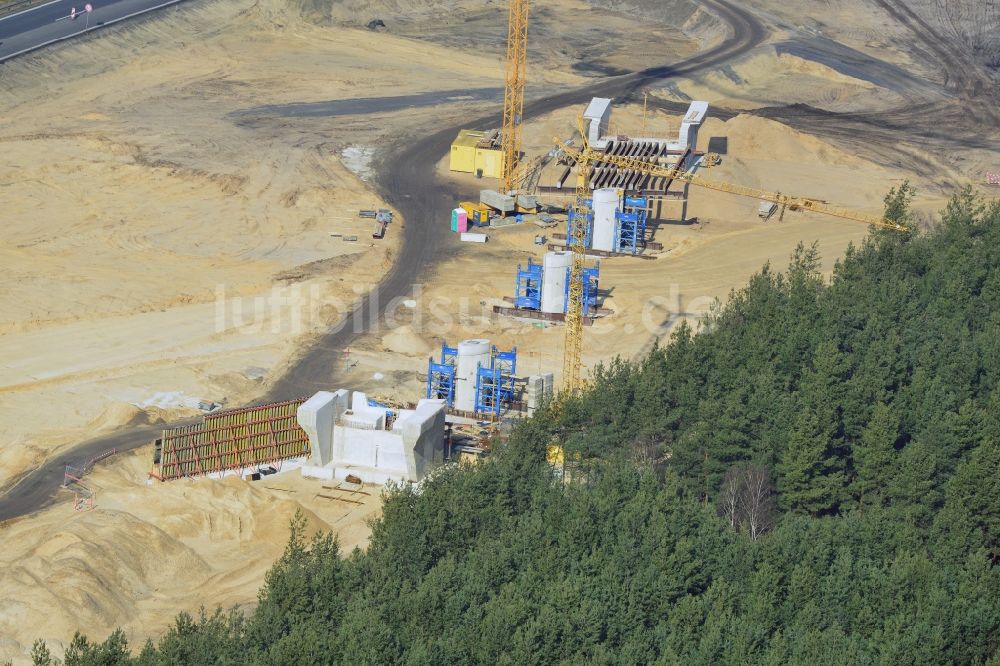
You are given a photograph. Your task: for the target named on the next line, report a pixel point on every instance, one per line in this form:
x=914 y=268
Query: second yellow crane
x=513 y=97
x=585 y=159
x=673 y=173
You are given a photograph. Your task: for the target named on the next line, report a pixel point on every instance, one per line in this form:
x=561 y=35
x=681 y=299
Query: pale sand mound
x=752 y=137
x=404 y=340
x=122 y=414
x=802 y=66
x=765 y=78
x=147 y=552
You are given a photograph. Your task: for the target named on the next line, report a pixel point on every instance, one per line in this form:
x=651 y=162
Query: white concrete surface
x=314 y=472
x=355 y=441
x=471 y=354
x=605 y=205
x=554 y=265
x=597 y=115
x=316 y=416
x=688 y=135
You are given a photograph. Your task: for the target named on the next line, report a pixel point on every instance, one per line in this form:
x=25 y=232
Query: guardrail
x=8 y=8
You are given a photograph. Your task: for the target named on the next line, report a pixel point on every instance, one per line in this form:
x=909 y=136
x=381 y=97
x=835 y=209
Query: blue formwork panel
x=488 y=391
x=375 y=403
x=441 y=376
x=626 y=238
x=449 y=354
x=528 y=286
x=495 y=383
x=630 y=228
x=506 y=361
x=590 y=276
x=494 y=391
x=441 y=382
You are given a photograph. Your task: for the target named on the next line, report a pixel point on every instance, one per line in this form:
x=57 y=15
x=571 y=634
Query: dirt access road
x=406 y=180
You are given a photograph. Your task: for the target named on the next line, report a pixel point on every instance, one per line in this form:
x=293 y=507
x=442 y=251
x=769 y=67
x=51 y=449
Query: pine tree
x=913 y=485
x=40 y=655
x=875 y=454
x=976 y=487
x=811 y=479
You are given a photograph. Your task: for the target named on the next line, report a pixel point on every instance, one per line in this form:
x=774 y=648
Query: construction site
x=301 y=257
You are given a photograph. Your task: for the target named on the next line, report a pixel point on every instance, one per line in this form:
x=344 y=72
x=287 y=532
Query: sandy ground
x=148 y=551
x=168 y=212
x=168 y=241
x=186 y=240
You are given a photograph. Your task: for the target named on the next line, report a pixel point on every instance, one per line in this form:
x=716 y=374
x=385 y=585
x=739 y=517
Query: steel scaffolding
x=441 y=376
x=631 y=225
x=495 y=384
x=528 y=289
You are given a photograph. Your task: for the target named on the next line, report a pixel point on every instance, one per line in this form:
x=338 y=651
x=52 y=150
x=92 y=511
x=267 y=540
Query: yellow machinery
x=513 y=98
x=572 y=382
x=479 y=213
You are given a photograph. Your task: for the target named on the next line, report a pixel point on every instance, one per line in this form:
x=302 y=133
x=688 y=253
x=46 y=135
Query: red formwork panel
x=233 y=439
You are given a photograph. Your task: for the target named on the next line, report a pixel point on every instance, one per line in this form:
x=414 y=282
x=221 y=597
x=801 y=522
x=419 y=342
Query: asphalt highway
x=405 y=178
x=32 y=29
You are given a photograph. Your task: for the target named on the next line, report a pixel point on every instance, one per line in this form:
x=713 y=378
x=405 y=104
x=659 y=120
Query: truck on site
x=382 y=219
x=766 y=210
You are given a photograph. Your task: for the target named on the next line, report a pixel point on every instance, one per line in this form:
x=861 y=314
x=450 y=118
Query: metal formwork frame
x=506 y=361
x=631 y=225
x=488 y=390
x=441 y=376
x=528 y=286
x=233 y=440
x=631 y=231
x=449 y=354
x=494 y=390
x=441 y=382
x=495 y=384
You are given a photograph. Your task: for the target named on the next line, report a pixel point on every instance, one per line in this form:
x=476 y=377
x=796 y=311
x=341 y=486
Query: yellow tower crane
x=673 y=173
x=577 y=239
x=513 y=97
x=585 y=158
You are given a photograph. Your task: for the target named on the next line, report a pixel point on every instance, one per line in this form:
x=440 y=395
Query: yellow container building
x=489 y=161
x=477 y=152
x=463 y=151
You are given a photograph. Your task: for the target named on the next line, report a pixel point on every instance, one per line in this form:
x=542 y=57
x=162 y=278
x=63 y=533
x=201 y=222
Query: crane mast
x=513 y=97
x=573 y=346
